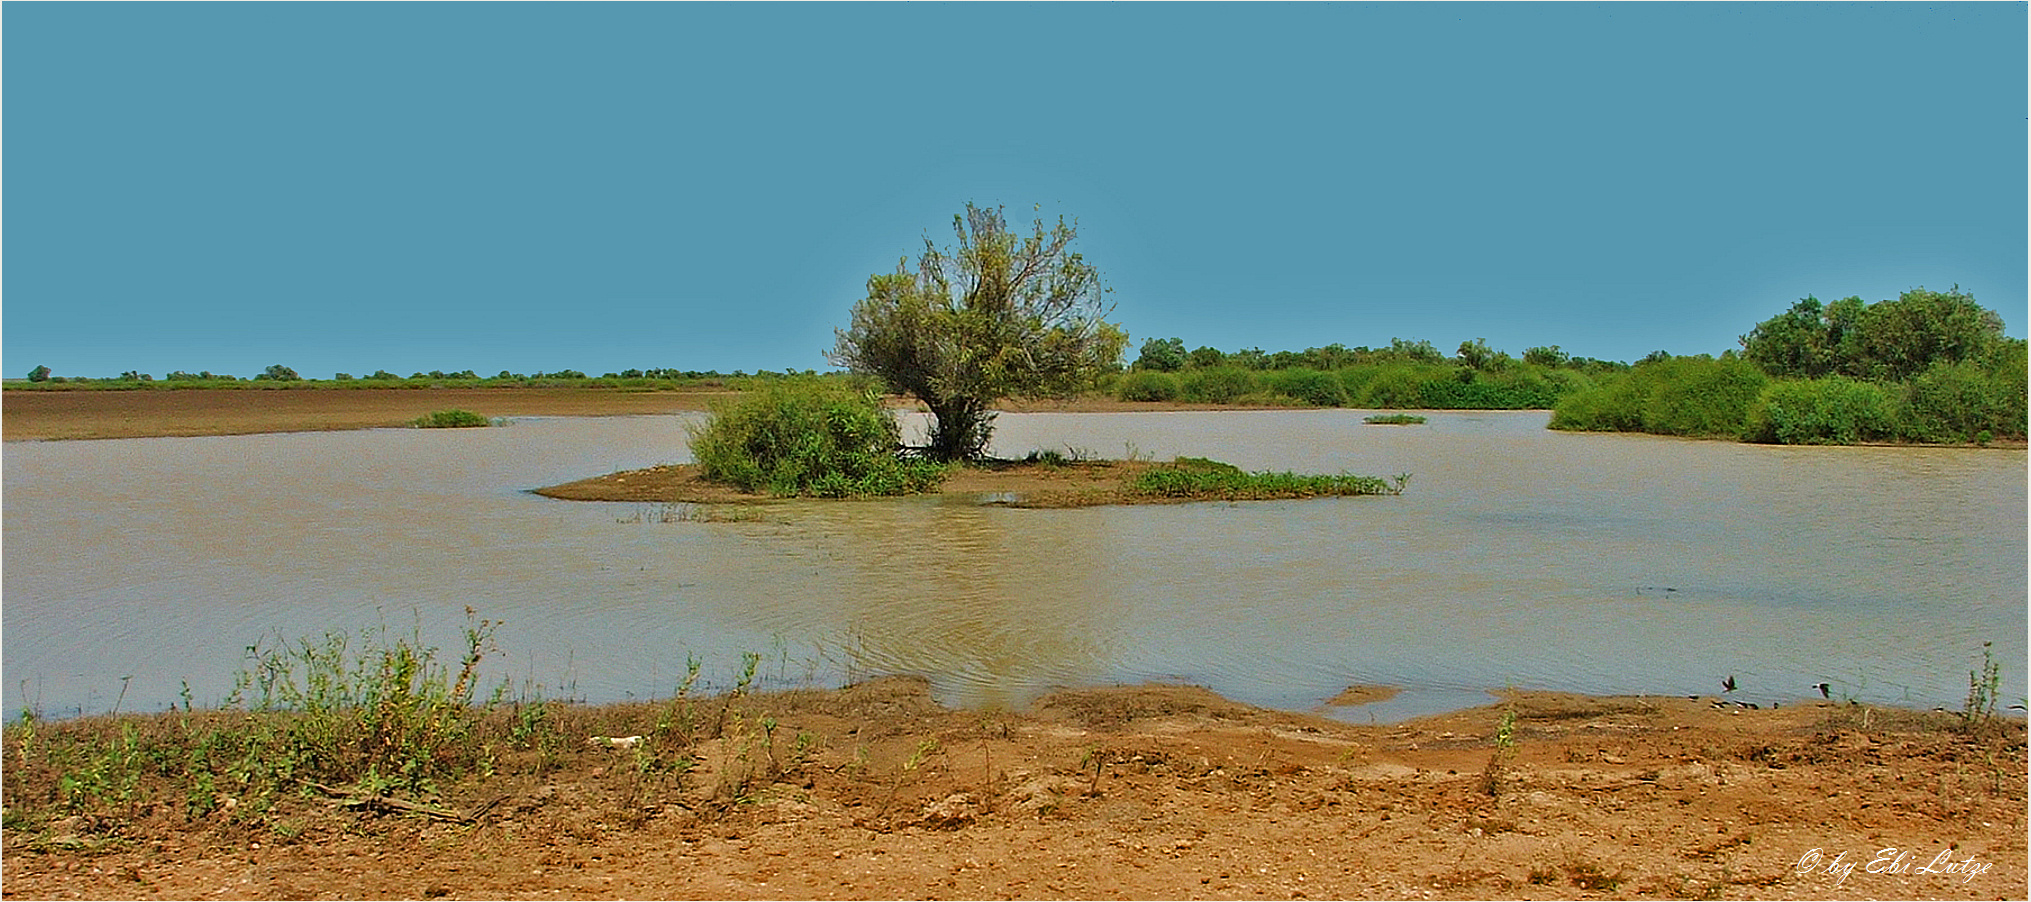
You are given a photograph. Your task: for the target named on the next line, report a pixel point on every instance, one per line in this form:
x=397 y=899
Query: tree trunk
x=960 y=430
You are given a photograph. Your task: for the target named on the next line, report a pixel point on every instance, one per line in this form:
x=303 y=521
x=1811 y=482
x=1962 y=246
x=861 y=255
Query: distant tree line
x=1929 y=367
x=1403 y=374
x=42 y=376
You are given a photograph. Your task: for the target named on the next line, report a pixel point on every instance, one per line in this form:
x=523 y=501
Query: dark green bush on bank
x=1147 y=385
x=1833 y=411
x=1964 y=402
x=809 y=437
x=1691 y=396
x=1216 y=385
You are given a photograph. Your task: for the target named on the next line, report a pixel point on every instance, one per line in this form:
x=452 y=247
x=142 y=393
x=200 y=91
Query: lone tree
x=1003 y=315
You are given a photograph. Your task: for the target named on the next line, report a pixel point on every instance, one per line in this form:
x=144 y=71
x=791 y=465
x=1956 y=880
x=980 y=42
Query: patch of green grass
x=451 y=419
x=1199 y=478
x=1394 y=419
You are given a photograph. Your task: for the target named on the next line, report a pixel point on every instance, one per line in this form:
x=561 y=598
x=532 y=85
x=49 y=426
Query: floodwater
x=1517 y=557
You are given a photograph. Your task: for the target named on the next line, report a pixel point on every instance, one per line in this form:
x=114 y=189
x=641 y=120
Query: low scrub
x=1147 y=385
x=451 y=419
x=1394 y=419
x=1315 y=388
x=1690 y=396
x=1199 y=478
x=809 y=438
x=1835 y=411
x=1216 y=385
x=1963 y=402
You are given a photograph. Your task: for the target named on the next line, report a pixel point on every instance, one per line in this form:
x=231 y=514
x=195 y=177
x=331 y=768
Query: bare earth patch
x=1144 y=792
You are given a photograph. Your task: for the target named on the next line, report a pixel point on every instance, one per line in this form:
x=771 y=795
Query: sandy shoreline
x=1136 y=792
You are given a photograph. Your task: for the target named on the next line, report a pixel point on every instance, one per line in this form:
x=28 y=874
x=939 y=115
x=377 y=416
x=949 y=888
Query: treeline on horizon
x=1928 y=367
x=279 y=376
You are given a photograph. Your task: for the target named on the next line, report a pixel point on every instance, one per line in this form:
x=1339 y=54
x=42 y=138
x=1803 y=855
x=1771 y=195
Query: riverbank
x=875 y=791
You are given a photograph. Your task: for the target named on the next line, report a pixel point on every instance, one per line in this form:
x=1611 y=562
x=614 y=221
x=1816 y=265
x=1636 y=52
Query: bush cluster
x=809 y=438
x=1729 y=397
x=1505 y=384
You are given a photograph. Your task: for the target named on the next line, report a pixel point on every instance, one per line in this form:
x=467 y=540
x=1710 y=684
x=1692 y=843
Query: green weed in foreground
x=1197 y=477
x=1394 y=419
x=451 y=419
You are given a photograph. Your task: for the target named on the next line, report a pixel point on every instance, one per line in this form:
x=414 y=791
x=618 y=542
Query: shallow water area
x=1517 y=557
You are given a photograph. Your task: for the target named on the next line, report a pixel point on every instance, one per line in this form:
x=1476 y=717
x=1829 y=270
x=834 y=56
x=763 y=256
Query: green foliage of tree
x=1476 y=354
x=1888 y=340
x=1001 y=315
x=1899 y=339
x=279 y=373
x=39 y=374
x=1549 y=356
x=812 y=437
x=1205 y=357
x=1163 y=355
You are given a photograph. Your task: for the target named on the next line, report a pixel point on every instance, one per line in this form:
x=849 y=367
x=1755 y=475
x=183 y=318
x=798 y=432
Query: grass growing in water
x=1197 y=477
x=451 y=419
x=1394 y=419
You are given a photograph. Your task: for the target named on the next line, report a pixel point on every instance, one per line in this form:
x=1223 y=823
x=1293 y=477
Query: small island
x=1040 y=481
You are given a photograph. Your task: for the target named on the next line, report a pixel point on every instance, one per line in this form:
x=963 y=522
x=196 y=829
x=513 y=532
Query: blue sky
x=361 y=186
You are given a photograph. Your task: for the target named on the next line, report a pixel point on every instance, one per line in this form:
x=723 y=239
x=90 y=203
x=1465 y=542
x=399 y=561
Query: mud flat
x=876 y=792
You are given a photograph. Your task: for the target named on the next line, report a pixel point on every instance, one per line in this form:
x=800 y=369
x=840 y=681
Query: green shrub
x=1832 y=411
x=1216 y=385
x=1199 y=478
x=1957 y=402
x=451 y=419
x=796 y=437
x=1698 y=396
x=1388 y=387
x=1394 y=419
x=1307 y=386
x=1693 y=396
x=1613 y=404
x=1147 y=385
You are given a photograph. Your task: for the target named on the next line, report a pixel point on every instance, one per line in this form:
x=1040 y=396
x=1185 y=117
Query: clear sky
x=408 y=186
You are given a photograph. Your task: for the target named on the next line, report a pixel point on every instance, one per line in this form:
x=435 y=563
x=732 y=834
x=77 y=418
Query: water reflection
x=1518 y=557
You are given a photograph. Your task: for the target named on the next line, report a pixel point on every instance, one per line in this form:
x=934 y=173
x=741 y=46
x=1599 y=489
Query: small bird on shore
x=1729 y=683
x=1824 y=690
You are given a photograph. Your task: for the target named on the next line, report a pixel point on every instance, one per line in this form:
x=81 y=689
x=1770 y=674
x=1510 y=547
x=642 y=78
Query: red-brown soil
x=133 y=414
x=1152 y=792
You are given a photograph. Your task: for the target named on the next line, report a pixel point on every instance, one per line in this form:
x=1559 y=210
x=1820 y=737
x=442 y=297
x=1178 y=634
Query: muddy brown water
x=1517 y=557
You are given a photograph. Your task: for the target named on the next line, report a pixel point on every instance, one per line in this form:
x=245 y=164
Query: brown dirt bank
x=1151 y=792
x=136 y=414
x=88 y=414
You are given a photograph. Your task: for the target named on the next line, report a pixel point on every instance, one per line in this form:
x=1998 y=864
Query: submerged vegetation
x=1197 y=478
x=451 y=419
